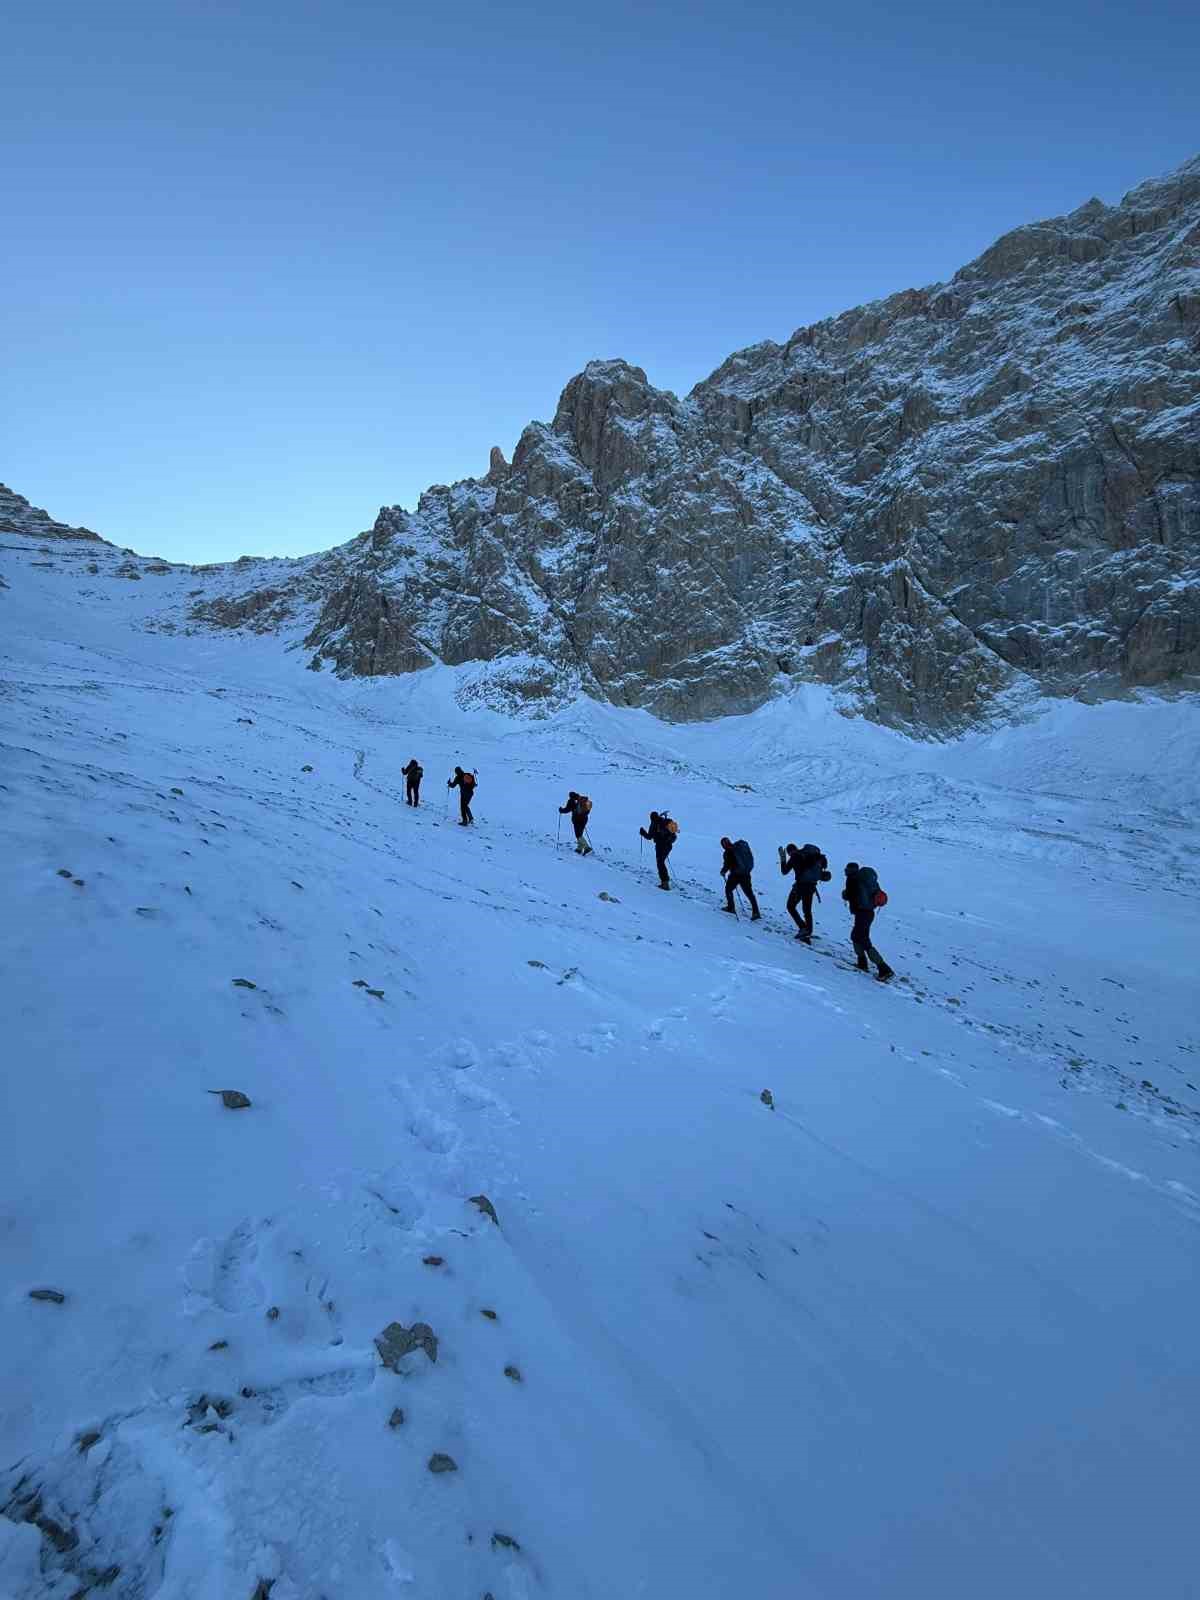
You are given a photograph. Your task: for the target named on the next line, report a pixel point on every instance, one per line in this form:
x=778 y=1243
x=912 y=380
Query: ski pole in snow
x=558 y=833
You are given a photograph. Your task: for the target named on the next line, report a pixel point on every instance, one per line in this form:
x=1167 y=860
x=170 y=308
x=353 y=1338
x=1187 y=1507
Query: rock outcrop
x=19 y=517
x=985 y=486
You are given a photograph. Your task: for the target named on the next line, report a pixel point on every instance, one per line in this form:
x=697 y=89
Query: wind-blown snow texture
x=941 y=505
x=925 y=1329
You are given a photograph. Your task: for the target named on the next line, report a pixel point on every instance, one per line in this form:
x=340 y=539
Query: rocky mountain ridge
x=938 y=504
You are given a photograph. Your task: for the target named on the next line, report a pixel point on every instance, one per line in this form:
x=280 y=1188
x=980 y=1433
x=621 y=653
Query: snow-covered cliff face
x=938 y=504
x=960 y=491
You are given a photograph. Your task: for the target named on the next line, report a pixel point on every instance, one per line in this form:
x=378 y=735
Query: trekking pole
x=558 y=833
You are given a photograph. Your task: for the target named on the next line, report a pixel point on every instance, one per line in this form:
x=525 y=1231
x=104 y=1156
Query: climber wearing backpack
x=579 y=809
x=811 y=869
x=864 y=898
x=465 y=783
x=661 y=833
x=737 y=864
x=412 y=775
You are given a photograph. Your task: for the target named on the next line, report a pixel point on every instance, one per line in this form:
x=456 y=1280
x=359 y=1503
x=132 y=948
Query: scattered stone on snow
x=439 y=1462
x=396 y=1341
x=611 y=898
x=768 y=1099
x=486 y=1206
x=55 y=1296
x=433 y=1261
x=65 y=872
x=396 y=1420
x=244 y=983
x=176 y=791
x=273 y=1314
x=86 y=1440
x=219 y=1344
x=539 y=964
x=486 y=1311
x=514 y=1373
x=504 y=1541
x=306 y=769
x=232 y=1099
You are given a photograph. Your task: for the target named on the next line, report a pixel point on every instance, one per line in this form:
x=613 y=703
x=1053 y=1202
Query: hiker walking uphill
x=737 y=864
x=864 y=897
x=465 y=783
x=662 y=834
x=412 y=775
x=579 y=809
x=811 y=869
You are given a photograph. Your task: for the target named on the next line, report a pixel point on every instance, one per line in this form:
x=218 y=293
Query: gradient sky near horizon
x=272 y=265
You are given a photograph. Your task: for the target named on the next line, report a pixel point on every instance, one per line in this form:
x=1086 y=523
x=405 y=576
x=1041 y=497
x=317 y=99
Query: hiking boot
x=884 y=974
x=731 y=910
x=863 y=966
x=664 y=886
x=757 y=917
x=804 y=938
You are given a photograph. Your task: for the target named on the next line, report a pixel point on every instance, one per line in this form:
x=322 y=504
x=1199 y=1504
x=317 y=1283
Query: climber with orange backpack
x=465 y=783
x=864 y=898
x=579 y=809
x=662 y=833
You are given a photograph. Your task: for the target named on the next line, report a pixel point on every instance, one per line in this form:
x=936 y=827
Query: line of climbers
x=806 y=864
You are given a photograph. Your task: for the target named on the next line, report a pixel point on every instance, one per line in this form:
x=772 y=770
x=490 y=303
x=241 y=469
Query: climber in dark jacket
x=663 y=840
x=412 y=775
x=579 y=809
x=737 y=864
x=811 y=869
x=862 y=884
x=464 y=782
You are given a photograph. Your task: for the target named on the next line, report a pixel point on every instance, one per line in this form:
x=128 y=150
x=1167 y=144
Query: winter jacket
x=413 y=771
x=660 y=836
x=464 y=781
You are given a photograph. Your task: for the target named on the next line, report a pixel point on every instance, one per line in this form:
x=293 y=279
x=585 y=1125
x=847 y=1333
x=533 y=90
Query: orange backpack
x=583 y=804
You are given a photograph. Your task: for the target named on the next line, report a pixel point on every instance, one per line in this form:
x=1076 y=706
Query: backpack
x=871 y=896
x=744 y=856
x=582 y=804
x=671 y=826
x=468 y=781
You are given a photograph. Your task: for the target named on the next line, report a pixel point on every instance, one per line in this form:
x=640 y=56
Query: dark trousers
x=860 y=938
x=740 y=880
x=412 y=791
x=464 y=804
x=579 y=823
x=660 y=860
x=802 y=896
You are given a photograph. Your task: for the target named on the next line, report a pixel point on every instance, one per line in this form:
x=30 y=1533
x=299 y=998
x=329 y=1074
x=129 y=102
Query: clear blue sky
x=271 y=264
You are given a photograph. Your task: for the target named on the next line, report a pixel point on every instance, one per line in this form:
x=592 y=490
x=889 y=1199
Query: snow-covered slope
x=925 y=1328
